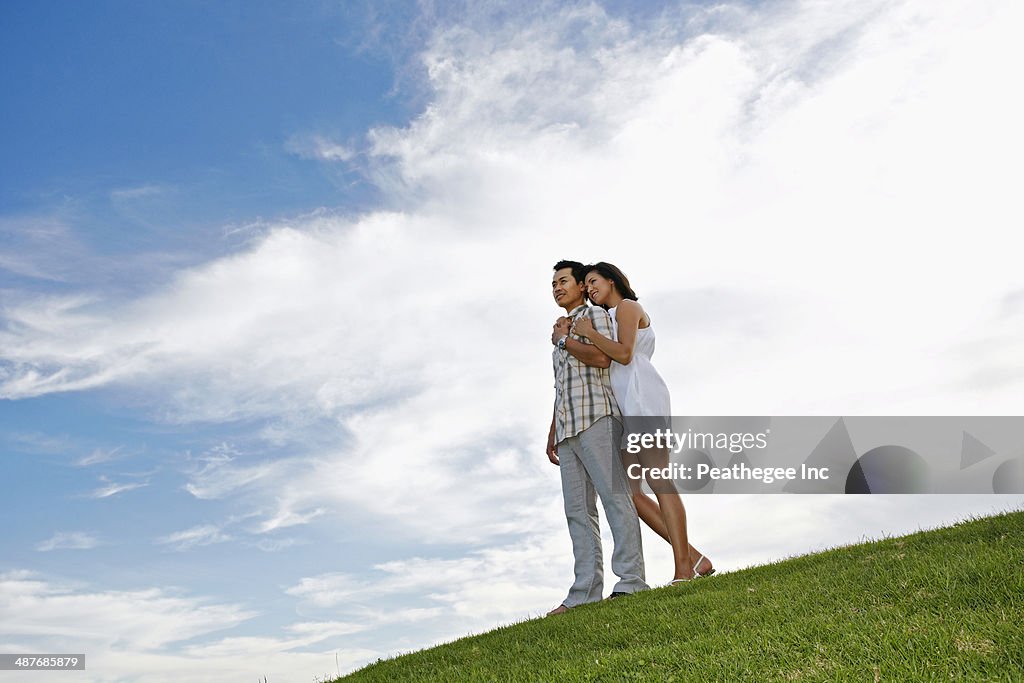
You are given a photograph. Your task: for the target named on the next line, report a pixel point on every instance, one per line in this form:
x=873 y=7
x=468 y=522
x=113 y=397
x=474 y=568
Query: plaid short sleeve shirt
x=583 y=394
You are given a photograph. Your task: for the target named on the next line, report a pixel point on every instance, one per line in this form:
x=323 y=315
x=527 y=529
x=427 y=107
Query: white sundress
x=639 y=389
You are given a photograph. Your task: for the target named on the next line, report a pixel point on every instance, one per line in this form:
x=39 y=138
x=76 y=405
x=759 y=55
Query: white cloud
x=113 y=488
x=36 y=246
x=326 y=629
x=204 y=534
x=127 y=194
x=422 y=601
x=38 y=442
x=318 y=147
x=151 y=633
x=68 y=540
x=217 y=477
x=285 y=517
x=272 y=545
x=489 y=584
x=138 y=619
x=98 y=455
x=761 y=139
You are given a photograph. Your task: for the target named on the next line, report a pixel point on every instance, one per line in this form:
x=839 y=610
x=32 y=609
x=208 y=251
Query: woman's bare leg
x=652 y=514
x=672 y=511
x=646 y=508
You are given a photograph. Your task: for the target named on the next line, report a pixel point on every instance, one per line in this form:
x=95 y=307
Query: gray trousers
x=590 y=463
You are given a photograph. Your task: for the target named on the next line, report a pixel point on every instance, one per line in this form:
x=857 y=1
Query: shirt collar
x=576 y=311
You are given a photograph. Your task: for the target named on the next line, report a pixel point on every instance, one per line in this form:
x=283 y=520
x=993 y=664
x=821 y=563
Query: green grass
x=937 y=605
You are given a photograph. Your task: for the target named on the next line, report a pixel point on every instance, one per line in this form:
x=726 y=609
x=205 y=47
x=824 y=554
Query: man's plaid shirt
x=583 y=394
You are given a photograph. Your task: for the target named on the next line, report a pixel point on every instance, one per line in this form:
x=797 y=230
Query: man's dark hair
x=618 y=278
x=579 y=271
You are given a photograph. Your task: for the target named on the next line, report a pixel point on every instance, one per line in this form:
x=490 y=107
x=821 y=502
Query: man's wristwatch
x=561 y=342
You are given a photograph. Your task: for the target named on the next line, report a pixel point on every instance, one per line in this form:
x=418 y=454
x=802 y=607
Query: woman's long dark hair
x=618 y=278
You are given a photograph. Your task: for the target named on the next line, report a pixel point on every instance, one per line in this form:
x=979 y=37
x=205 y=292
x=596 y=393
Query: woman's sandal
x=697 y=574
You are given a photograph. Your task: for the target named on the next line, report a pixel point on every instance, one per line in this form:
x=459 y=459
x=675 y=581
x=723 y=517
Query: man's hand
x=552 y=450
x=560 y=329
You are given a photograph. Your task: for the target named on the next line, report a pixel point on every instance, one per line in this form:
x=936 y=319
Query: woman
x=640 y=391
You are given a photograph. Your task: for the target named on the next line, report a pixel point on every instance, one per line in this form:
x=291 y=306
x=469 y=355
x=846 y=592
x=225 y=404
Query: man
x=584 y=443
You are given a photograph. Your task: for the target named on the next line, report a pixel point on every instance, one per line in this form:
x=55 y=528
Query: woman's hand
x=584 y=327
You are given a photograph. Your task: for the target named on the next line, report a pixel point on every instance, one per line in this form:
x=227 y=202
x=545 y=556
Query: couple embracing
x=603 y=371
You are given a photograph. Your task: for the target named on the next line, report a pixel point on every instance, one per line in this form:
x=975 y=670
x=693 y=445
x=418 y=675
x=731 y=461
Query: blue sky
x=274 y=293
x=100 y=96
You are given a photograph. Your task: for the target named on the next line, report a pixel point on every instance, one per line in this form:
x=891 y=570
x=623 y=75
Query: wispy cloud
x=68 y=540
x=112 y=488
x=37 y=442
x=33 y=246
x=22 y=264
x=273 y=545
x=124 y=194
x=99 y=455
x=217 y=476
x=207 y=534
x=318 y=147
x=286 y=516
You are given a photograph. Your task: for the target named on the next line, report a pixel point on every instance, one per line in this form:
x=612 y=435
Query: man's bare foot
x=561 y=609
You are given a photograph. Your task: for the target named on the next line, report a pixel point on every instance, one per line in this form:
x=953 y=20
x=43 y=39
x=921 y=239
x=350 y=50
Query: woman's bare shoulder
x=629 y=307
x=629 y=310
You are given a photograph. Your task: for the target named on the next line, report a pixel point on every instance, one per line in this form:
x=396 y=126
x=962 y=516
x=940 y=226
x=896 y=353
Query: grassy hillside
x=937 y=605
